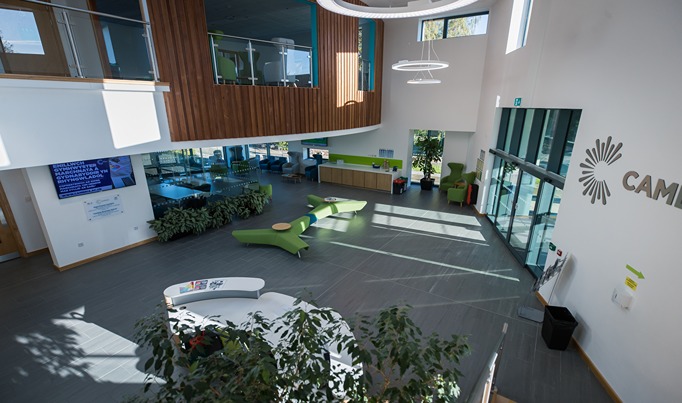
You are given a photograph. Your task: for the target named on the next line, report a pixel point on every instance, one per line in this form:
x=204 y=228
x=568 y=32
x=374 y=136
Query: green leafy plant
x=430 y=150
x=180 y=220
x=242 y=363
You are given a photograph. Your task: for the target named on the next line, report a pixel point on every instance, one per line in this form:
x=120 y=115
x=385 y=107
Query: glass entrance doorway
x=523 y=209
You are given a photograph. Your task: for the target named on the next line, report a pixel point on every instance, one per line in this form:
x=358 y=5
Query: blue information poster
x=90 y=176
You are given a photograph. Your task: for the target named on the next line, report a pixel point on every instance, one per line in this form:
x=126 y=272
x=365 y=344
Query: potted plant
x=230 y=362
x=430 y=150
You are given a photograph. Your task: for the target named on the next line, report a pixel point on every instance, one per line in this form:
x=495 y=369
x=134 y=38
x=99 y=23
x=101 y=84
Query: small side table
x=281 y=226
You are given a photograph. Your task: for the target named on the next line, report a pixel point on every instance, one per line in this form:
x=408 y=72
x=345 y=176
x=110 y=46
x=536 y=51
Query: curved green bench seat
x=288 y=239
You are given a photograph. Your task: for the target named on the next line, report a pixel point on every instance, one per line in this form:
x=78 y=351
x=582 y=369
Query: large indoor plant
x=429 y=150
x=239 y=363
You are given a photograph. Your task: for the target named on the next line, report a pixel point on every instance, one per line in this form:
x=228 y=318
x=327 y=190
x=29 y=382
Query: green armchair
x=448 y=181
x=458 y=193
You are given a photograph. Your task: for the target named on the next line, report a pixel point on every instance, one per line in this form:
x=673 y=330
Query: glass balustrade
x=245 y=61
x=55 y=40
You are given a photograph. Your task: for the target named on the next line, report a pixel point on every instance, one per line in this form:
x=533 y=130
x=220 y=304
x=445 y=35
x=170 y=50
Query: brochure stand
x=537 y=315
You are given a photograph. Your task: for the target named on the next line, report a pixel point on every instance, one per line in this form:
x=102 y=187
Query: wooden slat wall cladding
x=198 y=109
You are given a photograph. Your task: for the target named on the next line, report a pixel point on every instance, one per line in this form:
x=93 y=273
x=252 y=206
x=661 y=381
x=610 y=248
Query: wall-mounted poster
x=103 y=207
x=83 y=177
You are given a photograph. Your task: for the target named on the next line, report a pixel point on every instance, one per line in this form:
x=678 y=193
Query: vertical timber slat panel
x=198 y=109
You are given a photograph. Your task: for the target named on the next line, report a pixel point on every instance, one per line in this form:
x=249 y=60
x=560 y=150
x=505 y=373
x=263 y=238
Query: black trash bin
x=557 y=327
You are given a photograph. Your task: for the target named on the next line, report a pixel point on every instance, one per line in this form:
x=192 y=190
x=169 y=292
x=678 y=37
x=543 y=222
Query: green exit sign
x=517 y=101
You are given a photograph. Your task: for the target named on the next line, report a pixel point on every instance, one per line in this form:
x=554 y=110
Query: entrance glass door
x=543 y=227
x=507 y=198
x=524 y=211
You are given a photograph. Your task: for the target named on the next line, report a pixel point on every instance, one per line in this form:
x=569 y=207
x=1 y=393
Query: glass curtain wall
x=532 y=156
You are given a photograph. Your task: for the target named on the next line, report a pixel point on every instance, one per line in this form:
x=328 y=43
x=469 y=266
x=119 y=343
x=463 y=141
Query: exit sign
x=517 y=101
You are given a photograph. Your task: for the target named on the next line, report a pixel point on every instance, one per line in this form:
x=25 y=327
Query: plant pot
x=426 y=183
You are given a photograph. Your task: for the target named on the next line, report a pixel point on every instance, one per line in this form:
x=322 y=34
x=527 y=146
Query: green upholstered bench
x=289 y=239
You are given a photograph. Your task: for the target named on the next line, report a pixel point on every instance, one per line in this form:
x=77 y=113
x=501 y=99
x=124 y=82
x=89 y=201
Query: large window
x=455 y=26
x=534 y=149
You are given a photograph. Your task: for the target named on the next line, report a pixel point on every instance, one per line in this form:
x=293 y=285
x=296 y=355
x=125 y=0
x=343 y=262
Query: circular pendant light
x=419 y=65
x=422 y=81
x=416 y=8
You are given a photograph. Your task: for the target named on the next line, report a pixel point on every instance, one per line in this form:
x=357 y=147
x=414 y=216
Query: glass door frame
x=492 y=212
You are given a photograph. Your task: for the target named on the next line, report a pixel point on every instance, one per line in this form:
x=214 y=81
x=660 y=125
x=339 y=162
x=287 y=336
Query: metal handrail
x=146 y=26
x=84 y=11
x=260 y=40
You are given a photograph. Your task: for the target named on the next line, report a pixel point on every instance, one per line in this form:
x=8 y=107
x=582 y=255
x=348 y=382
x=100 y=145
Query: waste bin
x=557 y=327
x=398 y=186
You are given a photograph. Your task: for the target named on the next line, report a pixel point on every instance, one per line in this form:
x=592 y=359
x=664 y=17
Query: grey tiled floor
x=66 y=337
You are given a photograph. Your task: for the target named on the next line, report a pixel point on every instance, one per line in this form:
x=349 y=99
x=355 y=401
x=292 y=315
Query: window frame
x=446 y=21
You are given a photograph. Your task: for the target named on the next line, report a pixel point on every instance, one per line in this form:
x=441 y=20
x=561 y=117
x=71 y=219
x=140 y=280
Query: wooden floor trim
x=37 y=252
x=607 y=387
x=103 y=255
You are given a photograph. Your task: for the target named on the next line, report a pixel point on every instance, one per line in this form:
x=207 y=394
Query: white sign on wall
x=103 y=207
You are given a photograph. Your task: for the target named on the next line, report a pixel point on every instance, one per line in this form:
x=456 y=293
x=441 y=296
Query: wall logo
x=598 y=158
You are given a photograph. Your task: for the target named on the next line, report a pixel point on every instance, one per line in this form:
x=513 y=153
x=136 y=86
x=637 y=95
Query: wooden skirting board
x=112 y=252
x=612 y=393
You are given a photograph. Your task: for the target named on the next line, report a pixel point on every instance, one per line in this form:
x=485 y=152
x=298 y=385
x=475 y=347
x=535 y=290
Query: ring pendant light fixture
x=416 y=8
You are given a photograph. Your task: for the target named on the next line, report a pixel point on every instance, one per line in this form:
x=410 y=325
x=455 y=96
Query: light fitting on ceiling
x=416 y=8
x=422 y=64
x=422 y=79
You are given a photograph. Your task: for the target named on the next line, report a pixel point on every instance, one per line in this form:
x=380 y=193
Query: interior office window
x=19 y=33
x=455 y=26
x=518 y=26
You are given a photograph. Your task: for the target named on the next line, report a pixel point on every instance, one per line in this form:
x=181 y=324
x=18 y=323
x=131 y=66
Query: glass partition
x=55 y=40
x=247 y=61
x=193 y=177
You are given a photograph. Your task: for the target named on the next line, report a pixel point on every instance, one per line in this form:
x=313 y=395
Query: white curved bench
x=211 y=288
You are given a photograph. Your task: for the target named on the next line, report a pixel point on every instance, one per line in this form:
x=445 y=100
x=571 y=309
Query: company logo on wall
x=598 y=159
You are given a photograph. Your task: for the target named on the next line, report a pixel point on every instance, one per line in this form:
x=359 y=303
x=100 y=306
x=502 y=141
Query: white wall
x=619 y=62
x=66 y=225
x=456 y=149
x=451 y=106
x=21 y=203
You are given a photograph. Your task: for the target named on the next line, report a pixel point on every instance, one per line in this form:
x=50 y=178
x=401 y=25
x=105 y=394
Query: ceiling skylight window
x=518 y=26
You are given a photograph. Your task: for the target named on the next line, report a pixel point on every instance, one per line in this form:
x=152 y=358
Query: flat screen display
x=90 y=176
x=321 y=142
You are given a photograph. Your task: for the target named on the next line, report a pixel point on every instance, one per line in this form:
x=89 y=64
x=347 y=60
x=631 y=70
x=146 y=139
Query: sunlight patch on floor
x=430 y=235
x=427 y=226
x=429 y=214
x=339 y=224
x=466 y=269
x=84 y=349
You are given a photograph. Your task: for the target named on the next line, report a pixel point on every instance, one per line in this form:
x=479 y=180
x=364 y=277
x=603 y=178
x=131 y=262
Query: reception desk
x=360 y=176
